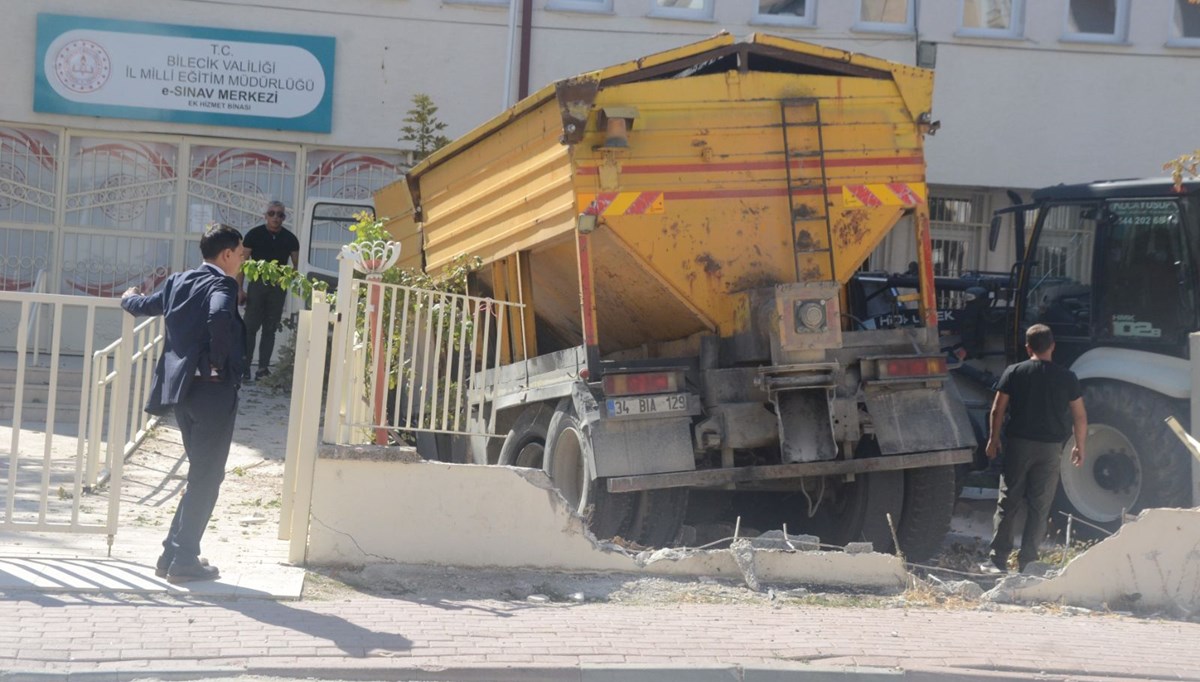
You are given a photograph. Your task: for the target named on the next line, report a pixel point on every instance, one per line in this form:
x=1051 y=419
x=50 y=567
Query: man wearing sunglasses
x=270 y=241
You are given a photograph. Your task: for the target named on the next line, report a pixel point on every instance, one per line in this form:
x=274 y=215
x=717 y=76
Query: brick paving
x=46 y=636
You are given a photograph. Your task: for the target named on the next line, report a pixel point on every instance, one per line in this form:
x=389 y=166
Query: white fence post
x=119 y=426
x=299 y=391
x=343 y=333
x=1194 y=354
x=308 y=442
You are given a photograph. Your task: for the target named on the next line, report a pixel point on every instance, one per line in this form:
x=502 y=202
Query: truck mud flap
x=918 y=420
x=642 y=446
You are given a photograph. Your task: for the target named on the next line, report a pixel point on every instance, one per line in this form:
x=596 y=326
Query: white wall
x=1020 y=112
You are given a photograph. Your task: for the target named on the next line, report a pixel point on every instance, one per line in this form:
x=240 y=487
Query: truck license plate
x=647 y=405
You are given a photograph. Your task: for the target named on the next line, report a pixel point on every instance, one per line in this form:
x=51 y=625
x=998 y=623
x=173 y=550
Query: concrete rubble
x=1150 y=564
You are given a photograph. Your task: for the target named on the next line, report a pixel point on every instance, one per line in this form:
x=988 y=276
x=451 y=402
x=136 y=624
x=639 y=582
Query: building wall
x=1019 y=111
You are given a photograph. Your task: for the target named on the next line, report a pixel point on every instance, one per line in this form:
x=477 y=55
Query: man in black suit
x=198 y=375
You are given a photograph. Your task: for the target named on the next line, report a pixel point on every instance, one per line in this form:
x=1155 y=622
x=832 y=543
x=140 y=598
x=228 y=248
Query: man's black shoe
x=264 y=372
x=184 y=573
x=164 y=562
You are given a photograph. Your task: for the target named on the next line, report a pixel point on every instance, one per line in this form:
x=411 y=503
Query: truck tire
x=858 y=513
x=570 y=464
x=658 y=517
x=929 y=495
x=1133 y=459
x=525 y=444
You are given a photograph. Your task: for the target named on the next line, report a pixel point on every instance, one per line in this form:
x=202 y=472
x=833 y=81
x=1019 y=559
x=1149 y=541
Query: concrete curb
x=388 y=671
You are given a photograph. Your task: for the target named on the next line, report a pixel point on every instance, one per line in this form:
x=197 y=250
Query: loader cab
x=1110 y=264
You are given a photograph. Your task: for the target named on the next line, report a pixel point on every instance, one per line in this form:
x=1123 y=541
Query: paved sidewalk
x=114 y=637
x=69 y=610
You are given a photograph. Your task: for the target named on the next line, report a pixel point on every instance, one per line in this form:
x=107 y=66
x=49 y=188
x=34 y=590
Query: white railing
x=403 y=359
x=108 y=382
x=50 y=464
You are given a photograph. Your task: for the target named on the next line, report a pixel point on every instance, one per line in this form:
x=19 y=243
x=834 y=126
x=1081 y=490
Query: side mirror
x=994 y=233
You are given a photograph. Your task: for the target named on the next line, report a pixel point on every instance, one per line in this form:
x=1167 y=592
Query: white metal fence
x=68 y=420
x=403 y=360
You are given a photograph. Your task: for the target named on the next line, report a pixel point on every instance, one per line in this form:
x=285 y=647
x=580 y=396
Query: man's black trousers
x=205 y=416
x=264 y=310
x=1028 y=479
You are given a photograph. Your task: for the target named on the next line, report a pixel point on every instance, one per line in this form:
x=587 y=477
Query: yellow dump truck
x=683 y=232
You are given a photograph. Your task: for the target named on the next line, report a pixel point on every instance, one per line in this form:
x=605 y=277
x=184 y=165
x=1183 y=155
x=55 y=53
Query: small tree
x=423 y=128
x=1188 y=164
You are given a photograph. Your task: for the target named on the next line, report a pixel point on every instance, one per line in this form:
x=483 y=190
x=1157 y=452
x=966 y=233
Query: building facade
x=97 y=195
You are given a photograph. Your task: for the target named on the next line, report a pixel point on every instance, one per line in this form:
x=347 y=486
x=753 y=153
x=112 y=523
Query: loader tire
x=1133 y=461
x=570 y=464
x=929 y=495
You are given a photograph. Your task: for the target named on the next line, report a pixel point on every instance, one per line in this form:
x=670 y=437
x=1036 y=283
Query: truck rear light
x=904 y=368
x=642 y=383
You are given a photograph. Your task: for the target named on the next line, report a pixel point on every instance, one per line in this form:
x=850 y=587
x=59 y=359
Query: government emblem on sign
x=82 y=66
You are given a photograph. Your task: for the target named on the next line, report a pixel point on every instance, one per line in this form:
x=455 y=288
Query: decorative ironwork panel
x=350 y=174
x=28 y=175
x=233 y=185
x=22 y=254
x=107 y=265
x=121 y=184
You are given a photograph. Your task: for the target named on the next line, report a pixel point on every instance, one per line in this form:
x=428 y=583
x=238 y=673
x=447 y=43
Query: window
x=579 y=5
x=1097 y=21
x=683 y=9
x=1059 y=281
x=891 y=16
x=786 y=12
x=992 y=18
x=1185 y=25
x=1146 y=293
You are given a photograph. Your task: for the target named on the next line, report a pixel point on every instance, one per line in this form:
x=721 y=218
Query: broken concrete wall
x=374 y=504
x=1152 y=563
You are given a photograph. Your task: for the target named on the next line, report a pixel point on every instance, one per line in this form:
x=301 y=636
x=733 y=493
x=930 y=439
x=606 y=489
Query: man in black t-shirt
x=1045 y=406
x=270 y=241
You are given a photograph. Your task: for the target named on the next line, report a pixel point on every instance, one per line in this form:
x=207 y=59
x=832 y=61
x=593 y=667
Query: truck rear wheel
x=859 y=509
x=1133 y=460
x=929 y=495
x=650 y=517
x=570 y=464
x=525 y=444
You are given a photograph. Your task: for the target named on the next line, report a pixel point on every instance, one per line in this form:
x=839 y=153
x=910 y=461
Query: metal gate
x=69 y=421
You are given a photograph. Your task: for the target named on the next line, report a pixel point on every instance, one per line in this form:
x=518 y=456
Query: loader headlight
x=810 y=316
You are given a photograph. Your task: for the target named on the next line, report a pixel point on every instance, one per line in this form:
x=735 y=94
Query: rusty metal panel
x=508 y=193
x=394 y=206
x=917 y=419
x=634 y=307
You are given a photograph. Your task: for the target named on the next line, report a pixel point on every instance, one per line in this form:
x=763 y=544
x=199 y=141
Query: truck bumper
x=718 y=477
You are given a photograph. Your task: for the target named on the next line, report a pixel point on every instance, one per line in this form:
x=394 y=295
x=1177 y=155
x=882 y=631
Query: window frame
x=809 y=20
x=908 y=28
x=583 y=6
x=1175 y=30
x=503 y=4
x=684 y=13
x=1119 y=36
x=1015 y=31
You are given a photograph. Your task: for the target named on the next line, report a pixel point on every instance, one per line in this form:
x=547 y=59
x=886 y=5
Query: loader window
x=1144 y=292
x=1059 y=281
